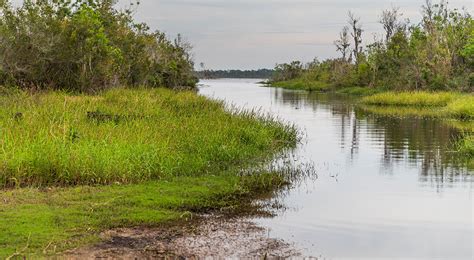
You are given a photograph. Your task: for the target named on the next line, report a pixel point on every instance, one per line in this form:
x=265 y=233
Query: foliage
x=235 y=74
x=86 y=45
x=302 y=84
x=434 y=55
x=126 y=136
x=288 y=71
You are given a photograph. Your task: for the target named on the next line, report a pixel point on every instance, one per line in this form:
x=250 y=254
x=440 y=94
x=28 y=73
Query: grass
x=466 y=146
x=36 y=223
x=302 y=84
x=72 y=166
x=402 y=111
x=126 y=136
x=423 y=99
x=438 y=104
x=462 y=108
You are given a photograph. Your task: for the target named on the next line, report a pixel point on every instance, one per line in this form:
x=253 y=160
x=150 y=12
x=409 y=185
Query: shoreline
x=214 y=236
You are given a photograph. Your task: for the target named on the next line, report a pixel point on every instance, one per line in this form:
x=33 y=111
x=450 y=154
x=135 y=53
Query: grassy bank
x=163 y=155
x=126 y=136
x=44 y=222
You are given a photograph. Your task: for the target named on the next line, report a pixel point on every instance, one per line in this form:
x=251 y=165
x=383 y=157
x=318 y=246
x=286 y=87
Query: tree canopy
x=86 y=45
x=436 y=54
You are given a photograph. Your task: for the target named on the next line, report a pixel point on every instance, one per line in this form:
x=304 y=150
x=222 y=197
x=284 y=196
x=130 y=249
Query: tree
x=343 y=43
x=86 y=46
x=356 y=34
x=391 y=23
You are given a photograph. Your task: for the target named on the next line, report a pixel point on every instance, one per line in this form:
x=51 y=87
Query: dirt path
x=214 y=237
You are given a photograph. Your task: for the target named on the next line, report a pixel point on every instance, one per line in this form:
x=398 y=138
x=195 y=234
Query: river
x=387 y=187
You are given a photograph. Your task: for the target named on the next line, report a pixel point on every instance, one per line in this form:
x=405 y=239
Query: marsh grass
x=402 y=111
x=456 y=109
x=422 y=99
x=127 y=136
x=462 y=108
x=442 y=104
x=165 y=156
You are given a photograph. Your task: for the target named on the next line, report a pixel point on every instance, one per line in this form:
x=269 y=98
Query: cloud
x=260 y=33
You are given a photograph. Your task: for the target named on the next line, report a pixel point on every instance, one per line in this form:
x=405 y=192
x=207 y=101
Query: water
x=387 y=188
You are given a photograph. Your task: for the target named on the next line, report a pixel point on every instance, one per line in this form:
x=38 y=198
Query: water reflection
x=422 y=143
x=388 y=186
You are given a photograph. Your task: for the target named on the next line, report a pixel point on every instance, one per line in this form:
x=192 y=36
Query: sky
x=251 y=34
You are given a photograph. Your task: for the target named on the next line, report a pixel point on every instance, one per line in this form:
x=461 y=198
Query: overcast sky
x=259 y=33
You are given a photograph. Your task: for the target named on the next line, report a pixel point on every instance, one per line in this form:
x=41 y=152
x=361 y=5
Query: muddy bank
x=210 y=236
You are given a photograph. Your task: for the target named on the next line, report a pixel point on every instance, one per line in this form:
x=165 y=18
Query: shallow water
x=387 y=187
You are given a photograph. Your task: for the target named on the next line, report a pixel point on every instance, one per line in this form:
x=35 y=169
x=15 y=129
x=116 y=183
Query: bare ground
x=208 y=237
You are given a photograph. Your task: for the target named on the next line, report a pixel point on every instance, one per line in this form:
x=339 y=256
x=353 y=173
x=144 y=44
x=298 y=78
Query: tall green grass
x=438 y=99
x=462 y=108
x=126 y=136
x=441 y=104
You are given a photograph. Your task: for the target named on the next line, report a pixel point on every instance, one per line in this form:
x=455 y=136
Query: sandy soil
x=209 y=237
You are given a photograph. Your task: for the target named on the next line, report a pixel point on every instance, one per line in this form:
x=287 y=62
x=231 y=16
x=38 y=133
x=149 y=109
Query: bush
x=86 y=45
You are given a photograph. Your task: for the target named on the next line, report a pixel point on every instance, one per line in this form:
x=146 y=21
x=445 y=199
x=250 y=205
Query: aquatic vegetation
x=462 y=108
x=127 y=136
x=404 y=111
x=418 y=98
x=466 y=148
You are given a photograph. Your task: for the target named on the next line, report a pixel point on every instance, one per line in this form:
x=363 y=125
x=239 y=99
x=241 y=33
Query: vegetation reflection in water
x=415 y=136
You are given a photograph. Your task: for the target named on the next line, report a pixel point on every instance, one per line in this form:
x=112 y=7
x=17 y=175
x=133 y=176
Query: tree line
x=87 y=46
x=435 y=54
x=236 y=74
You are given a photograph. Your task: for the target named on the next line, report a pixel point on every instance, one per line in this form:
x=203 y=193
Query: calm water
x=387 y=187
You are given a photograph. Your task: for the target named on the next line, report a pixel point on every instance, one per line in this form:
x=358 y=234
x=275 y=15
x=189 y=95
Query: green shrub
x=86 y=45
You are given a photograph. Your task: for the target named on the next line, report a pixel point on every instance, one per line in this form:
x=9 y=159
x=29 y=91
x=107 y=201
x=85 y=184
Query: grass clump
x=126 y=136
x=466 y=146
x=437 y=99
x=462 y=108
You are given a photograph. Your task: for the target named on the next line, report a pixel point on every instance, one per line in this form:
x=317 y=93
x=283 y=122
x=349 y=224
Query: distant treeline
x=435 y=54
x=238 y=74
x=86 y=46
